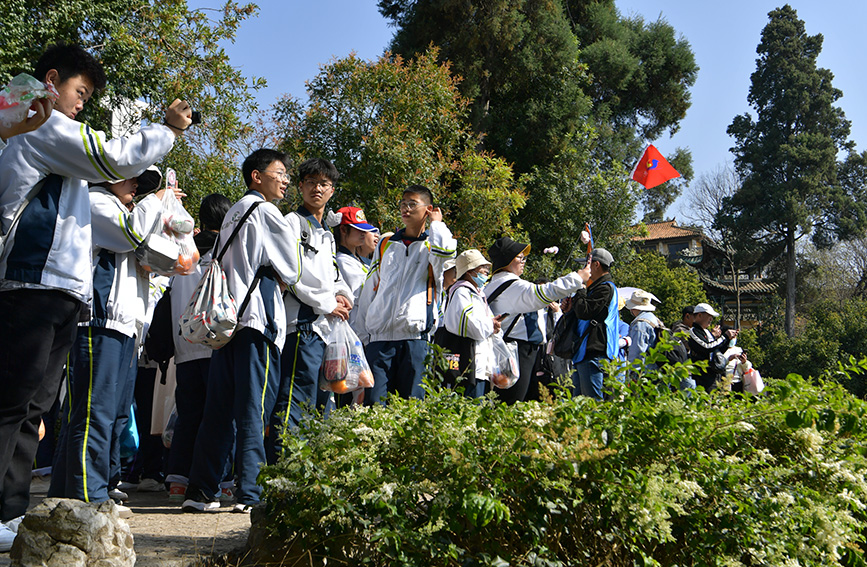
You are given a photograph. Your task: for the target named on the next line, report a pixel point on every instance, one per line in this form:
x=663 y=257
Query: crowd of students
x=73 y=214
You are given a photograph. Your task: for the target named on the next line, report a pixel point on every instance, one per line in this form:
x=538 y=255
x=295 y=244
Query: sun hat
x=640 y=301
x=469 y=260
x=504 y=250
x=149 y=180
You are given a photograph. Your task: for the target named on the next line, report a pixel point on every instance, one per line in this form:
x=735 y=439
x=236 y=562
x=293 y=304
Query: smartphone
x=502 y=316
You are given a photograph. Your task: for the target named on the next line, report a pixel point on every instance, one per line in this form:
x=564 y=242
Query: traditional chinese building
x=709 y=259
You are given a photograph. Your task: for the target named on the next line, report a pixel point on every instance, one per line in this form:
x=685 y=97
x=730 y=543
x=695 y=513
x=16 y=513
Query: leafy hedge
x=653 y=477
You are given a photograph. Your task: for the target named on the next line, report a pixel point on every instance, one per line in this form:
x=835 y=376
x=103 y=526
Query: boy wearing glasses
x=258 y=263
x=397 y=303
x=320 y=291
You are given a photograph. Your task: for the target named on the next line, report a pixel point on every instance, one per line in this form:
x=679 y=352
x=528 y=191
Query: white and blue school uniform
x=467 y=315
x=104 y=358
x=353 y=270
x=259 y=263
x=522 y=300
x=46 y=271
x=397 y=309
x=308 y=302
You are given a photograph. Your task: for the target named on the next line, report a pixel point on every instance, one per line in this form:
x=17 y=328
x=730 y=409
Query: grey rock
x=61 y=532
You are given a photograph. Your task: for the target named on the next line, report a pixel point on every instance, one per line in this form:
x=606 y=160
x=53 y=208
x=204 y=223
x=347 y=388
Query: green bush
x=653 y=477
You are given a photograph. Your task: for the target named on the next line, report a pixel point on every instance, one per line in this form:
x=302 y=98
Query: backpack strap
x=235 y=232
x=495 y=294
x=383 y=244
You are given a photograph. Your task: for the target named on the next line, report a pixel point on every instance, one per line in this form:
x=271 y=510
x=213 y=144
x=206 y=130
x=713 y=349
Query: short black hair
x=318 y=166
x=70 y=61
x=260 y=160
x=688 y=310
x=422 y=191
x=212 y=211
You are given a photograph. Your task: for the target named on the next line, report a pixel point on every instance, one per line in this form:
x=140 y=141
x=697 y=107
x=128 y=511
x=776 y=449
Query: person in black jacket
x=596 y=310
x=706 y=344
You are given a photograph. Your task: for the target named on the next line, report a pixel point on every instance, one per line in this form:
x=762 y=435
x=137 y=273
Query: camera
x=196 y=117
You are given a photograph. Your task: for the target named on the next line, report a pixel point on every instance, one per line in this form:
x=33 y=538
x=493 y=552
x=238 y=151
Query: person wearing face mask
x=521 y=300
x=468 y=316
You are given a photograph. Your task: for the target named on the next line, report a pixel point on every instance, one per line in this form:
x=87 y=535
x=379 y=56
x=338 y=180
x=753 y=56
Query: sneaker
x=227 y=495
x=7 y=536
x=118 y=494
x=194 y=506
x=151 y=485
x=242 y=508
x=124 y=485
x=123 y=511
x=14 y=523
x=177 y=492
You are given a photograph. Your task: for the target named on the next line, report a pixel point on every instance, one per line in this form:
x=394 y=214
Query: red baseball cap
x=353 y=216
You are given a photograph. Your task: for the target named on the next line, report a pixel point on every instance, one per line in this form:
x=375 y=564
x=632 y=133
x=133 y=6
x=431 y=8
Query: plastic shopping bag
x=344 y=366
x=753 y=382
x=169 y=248
x=17 y=96
x=505 y=372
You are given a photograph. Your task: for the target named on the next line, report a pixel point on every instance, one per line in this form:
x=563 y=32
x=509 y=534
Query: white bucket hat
x=640 y=301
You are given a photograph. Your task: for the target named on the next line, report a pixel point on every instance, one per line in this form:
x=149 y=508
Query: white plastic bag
x=169 y=430
x=169 y=248
x=211 y=315
x=753 y=382
x=344 y=366
x=505 y=372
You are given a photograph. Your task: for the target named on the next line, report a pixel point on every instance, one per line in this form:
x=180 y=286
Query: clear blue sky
x=302 y=35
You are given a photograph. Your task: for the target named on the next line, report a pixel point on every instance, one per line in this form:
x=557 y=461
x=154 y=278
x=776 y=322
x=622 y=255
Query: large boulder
x=61 y=532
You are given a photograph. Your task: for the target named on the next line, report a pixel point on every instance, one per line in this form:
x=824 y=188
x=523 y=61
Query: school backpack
x=676 y=355
x=212 y=315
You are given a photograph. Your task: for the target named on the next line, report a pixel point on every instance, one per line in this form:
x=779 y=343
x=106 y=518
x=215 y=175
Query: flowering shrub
x=651 y=477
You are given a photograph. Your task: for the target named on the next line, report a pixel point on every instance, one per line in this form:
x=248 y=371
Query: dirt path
x=165 y=536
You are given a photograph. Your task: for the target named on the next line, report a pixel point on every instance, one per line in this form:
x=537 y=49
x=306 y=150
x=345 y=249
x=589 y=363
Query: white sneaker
x=124 y=485
x=151 y=485
x=123 y=511
x=241 y=508
x=227 y=495
x=7 y=536
x=14 y=523
x=118 y=494
x=194 y=506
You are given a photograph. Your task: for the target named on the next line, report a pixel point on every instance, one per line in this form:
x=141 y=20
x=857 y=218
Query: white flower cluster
x=809 y=439
x=743 y=426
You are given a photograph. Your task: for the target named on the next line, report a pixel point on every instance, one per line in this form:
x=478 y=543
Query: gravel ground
x=167 y=537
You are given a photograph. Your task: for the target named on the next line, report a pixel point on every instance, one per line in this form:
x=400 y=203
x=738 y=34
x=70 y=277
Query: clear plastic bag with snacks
x=344 y=366
x=18 y=95
x=168 y=248
x=505 y=371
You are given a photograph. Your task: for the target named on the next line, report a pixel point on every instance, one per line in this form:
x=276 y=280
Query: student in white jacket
x=46 y=272
x=103 y=360
x=397 y=309
x=522 y=300
x=468 y=315
x=319 y=295
x=260 y=263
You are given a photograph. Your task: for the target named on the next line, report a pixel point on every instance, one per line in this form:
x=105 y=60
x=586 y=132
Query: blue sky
x=299 y=36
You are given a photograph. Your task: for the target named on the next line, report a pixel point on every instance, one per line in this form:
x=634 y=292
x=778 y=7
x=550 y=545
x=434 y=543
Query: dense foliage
x=390 y=123
x=653 y=477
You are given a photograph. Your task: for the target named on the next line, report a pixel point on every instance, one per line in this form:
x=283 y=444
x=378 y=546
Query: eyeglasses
x=408 y=206
x=282 y=175
x=521 y=258
x=313 y=184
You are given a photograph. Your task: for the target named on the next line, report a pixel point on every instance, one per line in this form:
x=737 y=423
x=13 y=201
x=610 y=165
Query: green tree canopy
x=787 y=154
x=391 y=123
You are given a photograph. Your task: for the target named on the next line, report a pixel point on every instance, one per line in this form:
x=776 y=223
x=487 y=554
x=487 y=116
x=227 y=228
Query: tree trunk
x=736 y=279
x=790 y=281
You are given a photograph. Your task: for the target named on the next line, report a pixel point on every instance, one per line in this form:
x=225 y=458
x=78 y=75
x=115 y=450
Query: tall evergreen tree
x=787 y=154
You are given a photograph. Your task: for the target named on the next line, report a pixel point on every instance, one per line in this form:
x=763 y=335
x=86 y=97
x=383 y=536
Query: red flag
x=652 y=169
